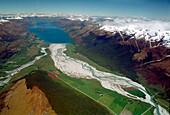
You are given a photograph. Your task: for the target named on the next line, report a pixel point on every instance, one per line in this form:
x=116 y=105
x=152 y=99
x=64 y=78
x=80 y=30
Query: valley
x=106 y=73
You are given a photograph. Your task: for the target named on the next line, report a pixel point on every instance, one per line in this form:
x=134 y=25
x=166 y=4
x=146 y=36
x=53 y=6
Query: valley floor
x=107 y=80
x=105 y=88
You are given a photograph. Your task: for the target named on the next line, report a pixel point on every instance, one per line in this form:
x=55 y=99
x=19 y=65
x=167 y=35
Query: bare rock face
x=22 y=101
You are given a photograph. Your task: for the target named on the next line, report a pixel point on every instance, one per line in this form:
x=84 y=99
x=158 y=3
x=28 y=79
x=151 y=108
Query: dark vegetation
x=137 y=93
x=63 y=98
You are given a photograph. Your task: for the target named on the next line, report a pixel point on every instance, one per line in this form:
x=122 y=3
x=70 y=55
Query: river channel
x=80 y=69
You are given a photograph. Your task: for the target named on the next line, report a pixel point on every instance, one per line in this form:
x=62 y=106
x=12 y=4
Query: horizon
x=85 y=15
x=159 y=9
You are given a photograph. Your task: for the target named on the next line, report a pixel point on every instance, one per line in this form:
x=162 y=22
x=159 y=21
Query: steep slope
x=20 y=100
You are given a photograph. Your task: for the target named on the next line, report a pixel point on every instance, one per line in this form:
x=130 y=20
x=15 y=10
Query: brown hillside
x=22 y=101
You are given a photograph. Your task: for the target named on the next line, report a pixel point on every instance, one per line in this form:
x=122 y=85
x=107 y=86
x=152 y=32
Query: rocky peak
x=20 y=100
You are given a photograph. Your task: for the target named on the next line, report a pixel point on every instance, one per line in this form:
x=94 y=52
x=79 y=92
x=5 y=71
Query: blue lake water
x=50 y=33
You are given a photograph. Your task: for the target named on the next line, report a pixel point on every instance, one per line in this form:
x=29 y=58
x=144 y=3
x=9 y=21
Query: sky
x=135 y=8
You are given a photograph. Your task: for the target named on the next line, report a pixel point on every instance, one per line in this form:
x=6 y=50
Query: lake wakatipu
x=50 y=33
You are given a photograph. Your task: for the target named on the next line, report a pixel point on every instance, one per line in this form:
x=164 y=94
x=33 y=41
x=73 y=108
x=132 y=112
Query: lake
x=50 y=33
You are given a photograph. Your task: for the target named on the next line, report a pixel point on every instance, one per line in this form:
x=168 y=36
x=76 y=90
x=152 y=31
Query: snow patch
x=151 y=30
x=81 y=18
x=2 y=21
x=14 y=18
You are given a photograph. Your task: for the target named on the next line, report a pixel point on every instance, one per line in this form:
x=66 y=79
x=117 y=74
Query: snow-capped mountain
x=2 y=21
x=151 y=29
x=79 y=17
x=15 y=18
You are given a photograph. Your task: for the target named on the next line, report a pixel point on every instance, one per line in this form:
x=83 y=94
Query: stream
x=17 y=70
x=79 y=69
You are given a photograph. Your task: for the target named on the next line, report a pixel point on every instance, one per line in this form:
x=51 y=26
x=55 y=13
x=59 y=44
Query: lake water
x=50 y=33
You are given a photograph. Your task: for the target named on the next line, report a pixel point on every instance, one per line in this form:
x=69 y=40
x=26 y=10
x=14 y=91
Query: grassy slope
x=63 y=98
